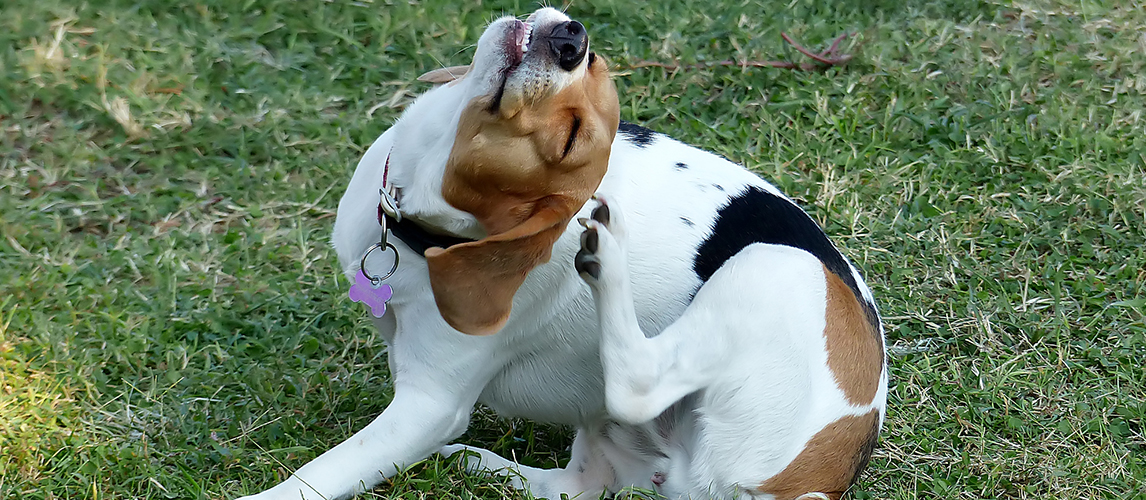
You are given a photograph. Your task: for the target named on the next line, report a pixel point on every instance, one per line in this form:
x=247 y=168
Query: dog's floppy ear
x=444 y=75
x=474 y=283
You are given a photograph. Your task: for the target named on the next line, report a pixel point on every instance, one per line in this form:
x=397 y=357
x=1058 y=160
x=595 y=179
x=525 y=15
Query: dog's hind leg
x=643 y=376
x=765 y=295
x=587 y=473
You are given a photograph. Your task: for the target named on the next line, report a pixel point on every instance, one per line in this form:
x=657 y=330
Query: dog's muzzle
x=569 y=43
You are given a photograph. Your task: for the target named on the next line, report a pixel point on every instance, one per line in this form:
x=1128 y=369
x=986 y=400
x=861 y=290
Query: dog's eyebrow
x=572 y=136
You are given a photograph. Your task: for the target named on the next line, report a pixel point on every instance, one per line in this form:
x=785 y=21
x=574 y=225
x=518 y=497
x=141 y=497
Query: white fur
x=713 y=395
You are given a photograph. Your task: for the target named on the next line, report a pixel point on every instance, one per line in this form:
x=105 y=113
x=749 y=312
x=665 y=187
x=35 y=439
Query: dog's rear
x=782 y=358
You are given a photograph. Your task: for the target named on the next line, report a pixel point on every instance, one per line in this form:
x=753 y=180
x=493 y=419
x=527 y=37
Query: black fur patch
x=757 y=216
x=636 y=134
x=681 y=166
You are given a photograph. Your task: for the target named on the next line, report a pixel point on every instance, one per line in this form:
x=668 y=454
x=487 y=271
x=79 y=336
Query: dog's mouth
x=535 y=54
x=516 y=45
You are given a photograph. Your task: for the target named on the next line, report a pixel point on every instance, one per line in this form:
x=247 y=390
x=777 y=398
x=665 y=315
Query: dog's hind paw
x=606 y=213
x=601 y=252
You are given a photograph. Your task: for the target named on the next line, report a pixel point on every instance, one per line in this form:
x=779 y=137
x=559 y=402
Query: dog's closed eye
x=572 y=136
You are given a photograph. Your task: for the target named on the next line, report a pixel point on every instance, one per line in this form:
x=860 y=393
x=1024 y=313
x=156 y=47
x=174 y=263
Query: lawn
x=173 y=323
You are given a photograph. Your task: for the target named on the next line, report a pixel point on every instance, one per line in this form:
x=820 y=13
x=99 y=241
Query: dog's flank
x=855 y=354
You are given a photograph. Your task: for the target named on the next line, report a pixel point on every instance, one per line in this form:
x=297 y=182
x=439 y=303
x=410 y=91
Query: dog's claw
x=583 y=221
x=587 y=263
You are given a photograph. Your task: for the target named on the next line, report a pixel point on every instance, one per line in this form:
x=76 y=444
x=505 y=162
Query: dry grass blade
x=825 y=59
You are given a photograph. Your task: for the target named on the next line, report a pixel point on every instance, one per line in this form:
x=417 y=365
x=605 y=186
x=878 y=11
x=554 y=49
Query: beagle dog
x=698 y=329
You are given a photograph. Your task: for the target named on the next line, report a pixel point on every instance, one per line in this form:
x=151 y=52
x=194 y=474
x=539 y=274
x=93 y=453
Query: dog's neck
x=415 y=236
x=424 y=136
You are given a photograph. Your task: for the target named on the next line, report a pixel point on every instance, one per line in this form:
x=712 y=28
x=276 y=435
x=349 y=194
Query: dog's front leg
x=419 y=420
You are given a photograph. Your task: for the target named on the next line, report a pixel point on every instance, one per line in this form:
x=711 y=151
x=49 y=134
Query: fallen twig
x=826 y=57
x=824 y=60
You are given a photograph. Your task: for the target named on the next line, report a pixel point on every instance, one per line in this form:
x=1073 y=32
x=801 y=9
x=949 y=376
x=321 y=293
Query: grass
x=172 y=323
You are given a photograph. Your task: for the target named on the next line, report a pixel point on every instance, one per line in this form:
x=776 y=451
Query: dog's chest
x=554 y=372
x=562 y=385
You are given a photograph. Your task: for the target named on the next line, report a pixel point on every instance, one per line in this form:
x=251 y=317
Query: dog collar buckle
x=388 y=203
x=387 y=197
x=368 y=288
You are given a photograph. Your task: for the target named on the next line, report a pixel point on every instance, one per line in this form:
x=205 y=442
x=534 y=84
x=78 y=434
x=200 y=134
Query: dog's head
x=532 y=145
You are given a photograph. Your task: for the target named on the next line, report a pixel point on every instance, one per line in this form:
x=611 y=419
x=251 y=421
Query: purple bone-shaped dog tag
x=365 y=292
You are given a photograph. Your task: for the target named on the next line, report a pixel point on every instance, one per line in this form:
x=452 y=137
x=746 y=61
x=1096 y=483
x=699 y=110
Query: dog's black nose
x=568 y=42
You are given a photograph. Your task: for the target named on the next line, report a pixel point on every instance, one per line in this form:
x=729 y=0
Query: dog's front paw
x=470 y=458
x=601 y=255
x=474 y=459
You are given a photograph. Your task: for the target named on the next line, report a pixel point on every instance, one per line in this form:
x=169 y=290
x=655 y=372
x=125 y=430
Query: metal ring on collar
x=377 y=280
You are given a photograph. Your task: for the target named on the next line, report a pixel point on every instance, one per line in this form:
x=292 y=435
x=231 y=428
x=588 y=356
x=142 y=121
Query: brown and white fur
x=696 y=327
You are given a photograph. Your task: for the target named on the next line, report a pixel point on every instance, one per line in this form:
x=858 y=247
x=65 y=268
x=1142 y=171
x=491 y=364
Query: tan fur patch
x=474 y=283
x=522 y=177
x=830 y=462
x=855 y=355
x=502 y=166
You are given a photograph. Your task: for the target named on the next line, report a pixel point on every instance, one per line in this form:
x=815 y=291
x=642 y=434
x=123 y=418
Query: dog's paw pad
x=587 y=264
x=606 y=213
x=590 y=242
x=601 y=212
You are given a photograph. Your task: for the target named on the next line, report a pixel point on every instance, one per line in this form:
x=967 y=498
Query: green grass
x=173 y=325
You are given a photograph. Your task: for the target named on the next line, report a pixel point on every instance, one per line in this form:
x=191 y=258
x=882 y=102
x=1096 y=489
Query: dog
x=698 y=329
